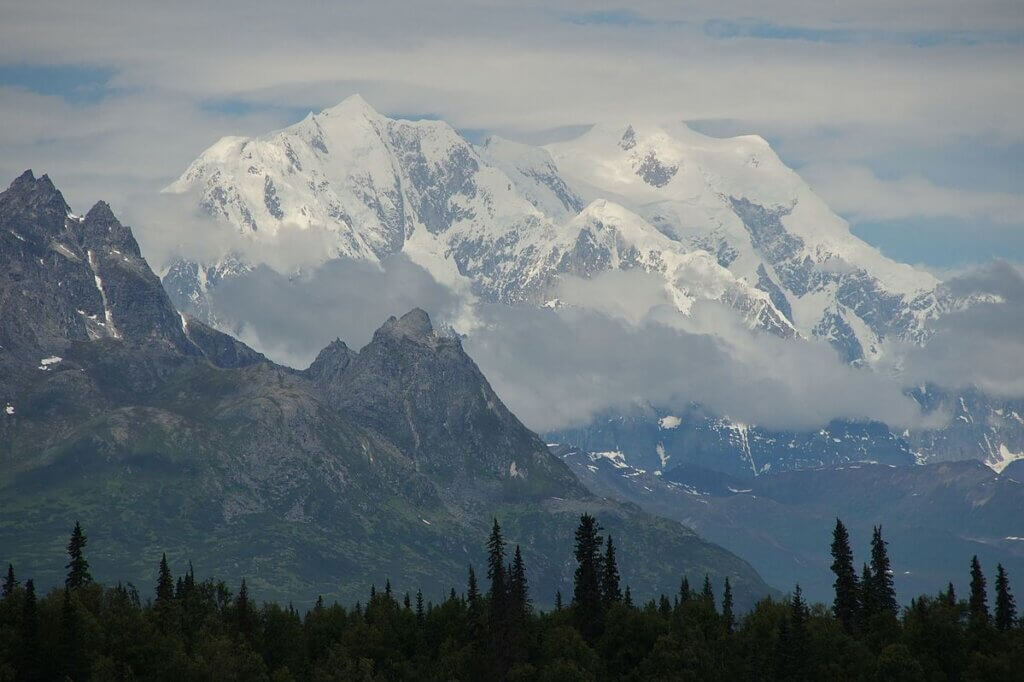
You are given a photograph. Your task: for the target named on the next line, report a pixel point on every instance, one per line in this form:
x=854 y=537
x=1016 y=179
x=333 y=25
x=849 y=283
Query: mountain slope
x=161 y=434
x=932 y=515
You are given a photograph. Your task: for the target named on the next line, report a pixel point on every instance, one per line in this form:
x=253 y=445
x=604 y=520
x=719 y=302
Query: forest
x=488 y=629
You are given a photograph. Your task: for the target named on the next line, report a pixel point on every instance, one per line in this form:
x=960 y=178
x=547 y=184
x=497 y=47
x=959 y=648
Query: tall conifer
x=978 y=601
x=586 y=596
x=244 y=617
x=165 y=583
x=706 y=593
x=77 y=566
x=10 y=583
x=610 y=590
x=727 y=608
x=846 y=604
x=29 y=658
x=882 y=590
x=1006 y=608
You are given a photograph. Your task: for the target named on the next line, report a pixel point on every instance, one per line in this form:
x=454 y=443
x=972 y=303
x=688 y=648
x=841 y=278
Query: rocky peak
x=33 y=208
x=330 y=364
x=427 y=394
x=414 y=326
x=101 y=228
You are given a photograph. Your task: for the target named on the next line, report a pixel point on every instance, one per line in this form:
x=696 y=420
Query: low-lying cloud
x=619 y=344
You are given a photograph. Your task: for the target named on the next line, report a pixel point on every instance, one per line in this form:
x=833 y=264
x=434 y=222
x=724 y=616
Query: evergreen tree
x=586 y=596
x=518 y=609
x=727 y=614
x=706 y=593
x=472 y=593
x=627 y=597
x=77 y=566
x=387 y=589
x=883 y=593
x=70 y=659
x=29 y=654
x=978 y=603
x=847 y=600
x=558 y=600
x=496 y=574
x=244 y=616
x=610 y=590
x=792 y=643
x=407 y=602
x=950 y=596
x=1006 y=608
x=9 y=582
x=518 y=592
x=165 y=583
x=685 y=593
x=420 y=613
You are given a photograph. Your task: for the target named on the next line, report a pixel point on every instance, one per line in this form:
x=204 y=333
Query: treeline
x=202 y=630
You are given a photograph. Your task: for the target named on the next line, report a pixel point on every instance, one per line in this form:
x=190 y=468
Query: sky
x=904 y=116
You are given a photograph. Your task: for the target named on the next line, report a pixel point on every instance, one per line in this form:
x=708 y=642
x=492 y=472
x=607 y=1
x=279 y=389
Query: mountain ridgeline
x=162 y=434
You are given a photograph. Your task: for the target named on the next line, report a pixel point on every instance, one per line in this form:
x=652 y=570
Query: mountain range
x=714 y=220
x=160 y=433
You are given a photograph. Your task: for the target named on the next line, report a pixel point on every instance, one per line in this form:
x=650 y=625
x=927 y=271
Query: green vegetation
x=201 y=630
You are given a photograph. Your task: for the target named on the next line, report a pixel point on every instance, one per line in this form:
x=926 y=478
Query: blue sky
x=903 y=116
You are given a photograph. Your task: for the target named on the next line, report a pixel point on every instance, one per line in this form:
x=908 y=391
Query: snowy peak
x=720 y=219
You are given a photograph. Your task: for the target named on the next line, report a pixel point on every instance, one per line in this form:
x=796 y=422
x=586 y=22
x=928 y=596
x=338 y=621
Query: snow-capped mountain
x=716 y=219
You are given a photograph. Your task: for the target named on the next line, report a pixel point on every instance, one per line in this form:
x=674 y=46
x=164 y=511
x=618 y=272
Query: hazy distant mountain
x=161 y=434
x=934 y=516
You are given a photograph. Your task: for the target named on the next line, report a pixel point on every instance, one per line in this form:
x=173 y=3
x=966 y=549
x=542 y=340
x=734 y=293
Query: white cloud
x=859 y=194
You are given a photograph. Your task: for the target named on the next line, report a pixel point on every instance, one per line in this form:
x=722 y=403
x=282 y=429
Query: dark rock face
x=389 y=462
x=104 y=288
x=654 y=172
x=767 y=285
x=419 y=387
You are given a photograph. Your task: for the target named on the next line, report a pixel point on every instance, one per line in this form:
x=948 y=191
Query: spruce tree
x=518 y=592
x=77 y=566
x=1006 y=608
x=627 y=597
x=978 y=602
x=882 y=590
x=244 y=617
x=496 y=574
x=558 y=600
x=420 y=613
x=610 y=590
x=706 y=593
x=847 y=600
x=9 y=582
x=950 y=596
x=586 y=596
x=407 y=602
x=472 y=592
x=727 y=613
x=518 y=609
x=387 y=588
x=684 y=590
x=70 y=658
x=164 y=583
x=29 y=655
